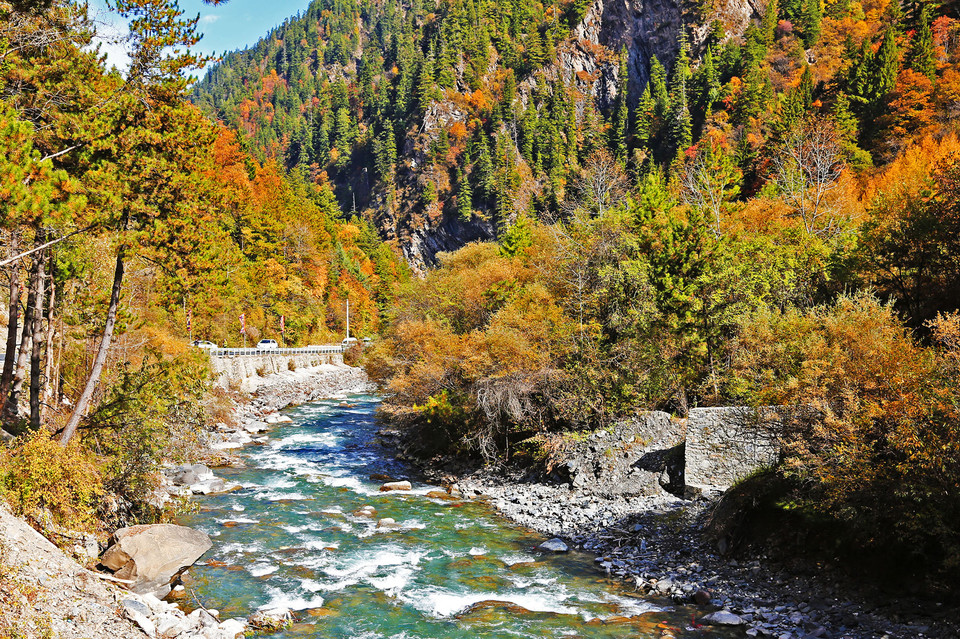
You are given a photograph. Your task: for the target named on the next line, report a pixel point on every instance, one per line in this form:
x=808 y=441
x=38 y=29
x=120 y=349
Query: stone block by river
x=655 y=453
x=639 y=456
x=726 y=444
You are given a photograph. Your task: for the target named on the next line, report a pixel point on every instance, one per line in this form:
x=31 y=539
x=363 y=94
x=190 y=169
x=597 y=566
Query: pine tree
x=886 y=66
x=426 y=87
x=921 y=51
x=804 y=90
x=464 y=197
x=528 y=132
x=811 y=19
x=645 y=118
x=754 y=96
x=509 y=91
x=483 y=168
x=707 y=82
x=658 y=90
x=517 y=238
x=621 y=114
x=844 y=120
x=680 y=123
x=343 y=137
x=385 y=150
x=769 y=22
x=446 y=73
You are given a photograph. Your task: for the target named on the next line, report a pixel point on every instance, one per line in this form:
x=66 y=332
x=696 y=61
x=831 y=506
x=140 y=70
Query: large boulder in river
x=153 y=556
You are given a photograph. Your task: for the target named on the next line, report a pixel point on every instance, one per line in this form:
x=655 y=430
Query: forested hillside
x=442 y=121
x=133 y=224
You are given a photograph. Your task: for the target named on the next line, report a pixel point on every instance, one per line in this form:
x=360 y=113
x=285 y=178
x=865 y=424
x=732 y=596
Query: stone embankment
x=247 y=373
x=625 y=495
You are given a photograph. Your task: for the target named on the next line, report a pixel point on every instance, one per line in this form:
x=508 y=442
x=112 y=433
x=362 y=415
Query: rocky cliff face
x=645 y=28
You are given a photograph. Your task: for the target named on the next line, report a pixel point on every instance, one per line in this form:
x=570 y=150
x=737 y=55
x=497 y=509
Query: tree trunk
x=36 y=353
x=13 y=324
x=47 y=396
x=98 y=362
x=11 y=407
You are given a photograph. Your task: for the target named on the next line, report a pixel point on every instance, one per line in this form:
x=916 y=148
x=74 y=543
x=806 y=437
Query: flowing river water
x=453 y=569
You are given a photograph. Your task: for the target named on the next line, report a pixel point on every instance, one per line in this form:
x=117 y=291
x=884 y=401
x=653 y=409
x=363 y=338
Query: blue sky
x=228 y=26
x=238 y=23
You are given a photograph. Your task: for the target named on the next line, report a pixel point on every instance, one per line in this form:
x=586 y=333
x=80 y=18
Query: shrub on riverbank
x=151 y=414
x=42 y=480
x=877 y=447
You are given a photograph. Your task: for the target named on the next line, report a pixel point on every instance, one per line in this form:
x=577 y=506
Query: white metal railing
x=306 y=350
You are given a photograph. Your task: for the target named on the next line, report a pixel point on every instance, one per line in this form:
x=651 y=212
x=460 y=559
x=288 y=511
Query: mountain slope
x=442 y=121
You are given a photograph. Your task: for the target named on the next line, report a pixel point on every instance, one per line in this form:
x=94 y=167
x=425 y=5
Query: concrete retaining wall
x=728 y=443
x=233 y=371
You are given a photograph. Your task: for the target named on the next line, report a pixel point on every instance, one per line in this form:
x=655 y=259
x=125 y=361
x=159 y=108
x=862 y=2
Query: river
x=453 y=569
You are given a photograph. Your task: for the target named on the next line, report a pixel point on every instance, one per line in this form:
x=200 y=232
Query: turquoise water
x=452 y=569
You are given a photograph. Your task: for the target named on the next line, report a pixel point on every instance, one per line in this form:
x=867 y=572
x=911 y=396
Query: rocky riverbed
x=655 y=543
x=249 y=418
x=621 y=493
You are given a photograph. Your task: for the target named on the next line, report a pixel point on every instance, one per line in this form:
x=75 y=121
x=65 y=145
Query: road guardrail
x=249 y=352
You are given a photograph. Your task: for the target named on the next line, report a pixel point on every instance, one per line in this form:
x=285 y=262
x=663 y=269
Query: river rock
x=154 y=555
x=553 y=545
x=171 y=625
x=270 y=620
x=387 y=523
x=439 y=494
x=139 y=613
x=208 y=487
x=396 y=485
x=202 y=619
x=722 y=618
x=701 y=597
x=233 y=628
x=256 y=427
x=365 y=511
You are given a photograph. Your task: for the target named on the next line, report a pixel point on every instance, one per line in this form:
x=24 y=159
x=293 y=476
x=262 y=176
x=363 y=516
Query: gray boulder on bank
x=553 y=545
x=722 y=618
x=154 y=556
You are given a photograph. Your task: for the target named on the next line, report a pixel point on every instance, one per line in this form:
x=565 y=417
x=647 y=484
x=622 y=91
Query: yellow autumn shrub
x=39 y=477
